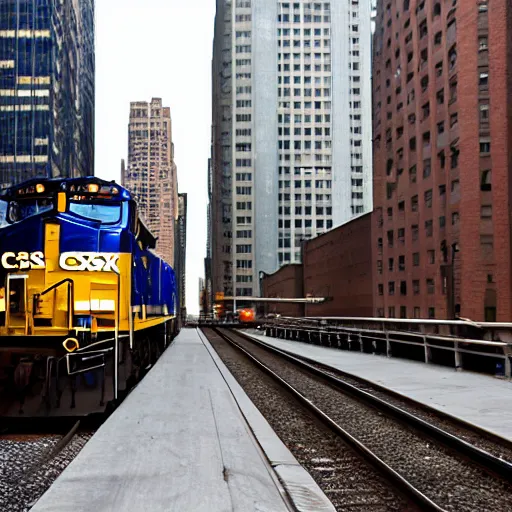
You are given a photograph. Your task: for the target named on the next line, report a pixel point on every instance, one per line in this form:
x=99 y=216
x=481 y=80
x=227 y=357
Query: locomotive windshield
x=106 y=213
x=12 y=212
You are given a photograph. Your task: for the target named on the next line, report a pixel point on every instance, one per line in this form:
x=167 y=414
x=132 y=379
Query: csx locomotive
x=86 y=306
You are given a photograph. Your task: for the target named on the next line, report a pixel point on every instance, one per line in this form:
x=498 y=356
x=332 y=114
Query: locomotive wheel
x=141 y=357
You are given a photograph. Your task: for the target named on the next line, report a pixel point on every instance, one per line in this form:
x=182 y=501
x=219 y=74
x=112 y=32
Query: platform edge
x=299 y=485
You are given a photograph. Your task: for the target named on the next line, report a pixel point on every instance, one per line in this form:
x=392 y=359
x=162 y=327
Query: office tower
x=208 y=259
x=46 y=89
x=291 y=137
x=151 y=173
x=442 y=85
x=180 y=253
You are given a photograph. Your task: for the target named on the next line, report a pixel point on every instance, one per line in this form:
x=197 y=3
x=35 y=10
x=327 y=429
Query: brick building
x=337 y=265
x=285 y=283
x=442 y=84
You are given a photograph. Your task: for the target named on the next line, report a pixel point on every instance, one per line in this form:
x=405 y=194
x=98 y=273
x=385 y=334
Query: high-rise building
x=208 y=259
x=151 y=173
x=442 y=87
x=46 y=89
x=291 y=138
x=180 y=253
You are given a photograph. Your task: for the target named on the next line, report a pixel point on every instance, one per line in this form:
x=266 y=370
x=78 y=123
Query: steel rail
x=387 y=471
x=492 y=436
x=485 y=459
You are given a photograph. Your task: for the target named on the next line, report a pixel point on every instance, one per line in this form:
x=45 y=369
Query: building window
x=454 y=157
x=381 y=289
x=430 y=286
x=403 y=312
x=428 y=198
x=431 y=255
x=485 y=146
x=416 y=259
x=486 y=212
x=427 y=167
x=431 y=313
x=416 y=287
x=415 y=232
x=401 y=263
x=414 y=203
x=484 y=112
x=412 y=174
x=485 y=181
x=403 y=287
x=428 y=228
x=417 y=312
x=391 y=264
x=442 y=159
x=391 y=312
x=483 y=82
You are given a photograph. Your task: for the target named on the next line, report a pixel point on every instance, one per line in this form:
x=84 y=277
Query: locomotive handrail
x=71 y=297
x=57 y=285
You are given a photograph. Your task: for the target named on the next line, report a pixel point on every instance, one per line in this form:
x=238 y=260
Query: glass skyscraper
x=46 y=89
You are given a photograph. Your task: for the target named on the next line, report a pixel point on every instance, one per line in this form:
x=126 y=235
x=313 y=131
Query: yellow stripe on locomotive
x=44 y=290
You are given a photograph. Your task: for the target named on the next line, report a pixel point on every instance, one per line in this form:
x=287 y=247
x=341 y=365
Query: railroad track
x=435 y=468
x=31 y=458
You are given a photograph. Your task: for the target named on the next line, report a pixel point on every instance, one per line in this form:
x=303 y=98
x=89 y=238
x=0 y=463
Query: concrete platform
x=482 y=400
x=181 y=441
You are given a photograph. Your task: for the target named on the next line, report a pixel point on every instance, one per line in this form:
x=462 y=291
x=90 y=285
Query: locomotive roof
x=58 y=184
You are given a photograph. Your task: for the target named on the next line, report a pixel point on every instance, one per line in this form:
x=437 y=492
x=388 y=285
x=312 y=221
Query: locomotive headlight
x=39 y=188
x=93 y=188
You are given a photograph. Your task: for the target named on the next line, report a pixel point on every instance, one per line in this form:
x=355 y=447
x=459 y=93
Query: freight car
x=86 y=306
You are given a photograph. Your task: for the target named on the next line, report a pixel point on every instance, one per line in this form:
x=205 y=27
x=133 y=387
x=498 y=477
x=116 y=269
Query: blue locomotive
x=86 y=306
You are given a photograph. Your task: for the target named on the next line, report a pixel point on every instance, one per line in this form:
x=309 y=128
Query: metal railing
x=463 y=344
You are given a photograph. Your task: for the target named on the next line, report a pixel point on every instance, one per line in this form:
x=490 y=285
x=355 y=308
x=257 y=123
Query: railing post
x=458 y=357
x=388 y=345
x=361 y=342
x=428 y=352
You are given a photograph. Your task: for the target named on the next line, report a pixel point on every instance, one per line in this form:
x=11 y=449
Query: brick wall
x=285 y=283
x=441 y=236
x=338 y=264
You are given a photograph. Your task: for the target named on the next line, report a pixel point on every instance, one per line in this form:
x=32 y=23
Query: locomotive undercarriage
x=49 y=381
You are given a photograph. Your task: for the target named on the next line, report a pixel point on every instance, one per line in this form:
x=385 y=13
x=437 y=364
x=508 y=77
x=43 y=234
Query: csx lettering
x=89 y=261
x=22 y=260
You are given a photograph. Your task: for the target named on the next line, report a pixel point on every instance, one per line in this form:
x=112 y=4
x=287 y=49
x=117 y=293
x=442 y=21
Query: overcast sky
x=161 y=49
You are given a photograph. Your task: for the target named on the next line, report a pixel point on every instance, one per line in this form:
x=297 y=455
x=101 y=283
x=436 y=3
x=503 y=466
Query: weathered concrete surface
x=178 y=443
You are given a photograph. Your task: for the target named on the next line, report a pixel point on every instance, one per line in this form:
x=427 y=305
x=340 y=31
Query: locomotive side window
x=12 y=212
x=106 y=213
